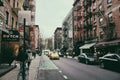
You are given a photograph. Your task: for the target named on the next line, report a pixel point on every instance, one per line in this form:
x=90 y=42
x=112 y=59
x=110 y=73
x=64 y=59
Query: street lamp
x=23 y=63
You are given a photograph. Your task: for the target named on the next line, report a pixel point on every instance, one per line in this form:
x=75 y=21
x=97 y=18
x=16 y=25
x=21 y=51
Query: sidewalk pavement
x=12 y=75
x=5 y=68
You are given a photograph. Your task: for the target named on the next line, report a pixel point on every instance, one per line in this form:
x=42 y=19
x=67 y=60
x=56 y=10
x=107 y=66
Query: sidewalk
x=5 y=68
x=12 y=75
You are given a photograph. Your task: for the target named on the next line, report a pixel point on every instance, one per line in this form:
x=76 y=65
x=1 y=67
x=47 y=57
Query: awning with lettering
x=12 y=36
x=87 y=46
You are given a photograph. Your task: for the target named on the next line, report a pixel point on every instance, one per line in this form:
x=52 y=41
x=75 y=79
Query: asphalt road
x=80 y=71
x=48 y=70
x=71 y=69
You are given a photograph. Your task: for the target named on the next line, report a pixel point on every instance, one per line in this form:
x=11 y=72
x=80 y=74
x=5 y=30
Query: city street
x=71 y=69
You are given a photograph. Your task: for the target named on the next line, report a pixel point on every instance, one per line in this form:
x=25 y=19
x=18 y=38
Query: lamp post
x=23 y=63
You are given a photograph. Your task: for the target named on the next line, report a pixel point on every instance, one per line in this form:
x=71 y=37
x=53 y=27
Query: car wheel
x=79 y=60
x=102 y=65
x=86 y=61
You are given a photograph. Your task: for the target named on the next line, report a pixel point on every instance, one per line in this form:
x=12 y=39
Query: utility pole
x=23 y=63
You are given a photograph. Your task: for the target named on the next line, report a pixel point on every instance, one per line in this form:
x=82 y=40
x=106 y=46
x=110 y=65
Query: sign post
x=23 y=63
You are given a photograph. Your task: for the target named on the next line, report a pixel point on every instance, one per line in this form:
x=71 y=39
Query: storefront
x=109 y=46
x=87 y=48
x=9 y=46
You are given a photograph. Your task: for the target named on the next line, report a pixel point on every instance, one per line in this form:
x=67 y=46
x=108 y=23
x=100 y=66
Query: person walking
x=29 y=52
x=22 y=56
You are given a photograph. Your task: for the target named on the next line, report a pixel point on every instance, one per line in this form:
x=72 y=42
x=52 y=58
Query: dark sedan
x=86 y=58
x=110 y=61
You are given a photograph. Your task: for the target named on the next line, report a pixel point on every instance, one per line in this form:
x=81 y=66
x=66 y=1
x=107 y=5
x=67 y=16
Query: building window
x=12 y=22
x=100 y=20
x=1 y=22
x=17 y=4
x=100 y=7
x=109 y=3
x=16 y=24
x=7 y=17
x=119 y=9
x=81 y=3
x=95 y=34
x=94 y=5
x=110 y=16
x=13 y=3
x=8 y=0
x=84 y=35
x=95 y=18
x=80 y=36
x=101 y=35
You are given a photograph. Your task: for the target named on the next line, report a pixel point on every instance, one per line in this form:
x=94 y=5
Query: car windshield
x=55 y=54
x=89 y=54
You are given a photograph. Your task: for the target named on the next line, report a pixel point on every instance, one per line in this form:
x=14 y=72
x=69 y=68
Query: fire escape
x=87 y=21
x=107 y=25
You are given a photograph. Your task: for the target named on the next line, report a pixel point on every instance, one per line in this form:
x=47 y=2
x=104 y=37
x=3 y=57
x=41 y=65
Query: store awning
x=4 y=29
x=87 y=46
x=109 y=43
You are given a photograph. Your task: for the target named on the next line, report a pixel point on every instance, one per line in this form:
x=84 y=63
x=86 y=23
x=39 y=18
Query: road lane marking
x=65 y=76
x=60 y=71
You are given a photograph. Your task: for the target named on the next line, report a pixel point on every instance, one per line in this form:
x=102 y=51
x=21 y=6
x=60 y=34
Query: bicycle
x=20 y=74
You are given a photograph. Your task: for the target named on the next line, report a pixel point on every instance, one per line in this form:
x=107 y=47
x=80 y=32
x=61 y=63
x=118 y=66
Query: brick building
x=58 y=38
x=78 y=25
x=9 y=25
x=108 y=12
x=96 y=22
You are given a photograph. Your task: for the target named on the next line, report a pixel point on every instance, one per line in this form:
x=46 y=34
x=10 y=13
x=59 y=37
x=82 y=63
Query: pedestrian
x=29 y=52
x=22 y=56
x=34 y=53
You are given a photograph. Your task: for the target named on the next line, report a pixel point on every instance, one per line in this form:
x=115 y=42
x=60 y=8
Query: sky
x=50 y=14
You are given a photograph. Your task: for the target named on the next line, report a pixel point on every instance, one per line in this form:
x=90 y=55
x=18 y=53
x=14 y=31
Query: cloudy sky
x=50 y=14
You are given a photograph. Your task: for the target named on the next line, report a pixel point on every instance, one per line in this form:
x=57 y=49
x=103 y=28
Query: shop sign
x=12 y=36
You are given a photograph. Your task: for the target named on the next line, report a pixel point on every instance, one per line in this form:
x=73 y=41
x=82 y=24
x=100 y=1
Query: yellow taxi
x=49 y=54
x=54 y=56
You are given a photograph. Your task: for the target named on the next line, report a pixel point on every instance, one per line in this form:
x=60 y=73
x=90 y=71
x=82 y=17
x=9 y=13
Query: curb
x=8 y=70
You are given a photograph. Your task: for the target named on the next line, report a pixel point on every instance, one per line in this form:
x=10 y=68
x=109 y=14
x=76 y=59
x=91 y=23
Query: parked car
x=87 y=58
x=110 y=61
x=60 y=54
x=54 y=55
